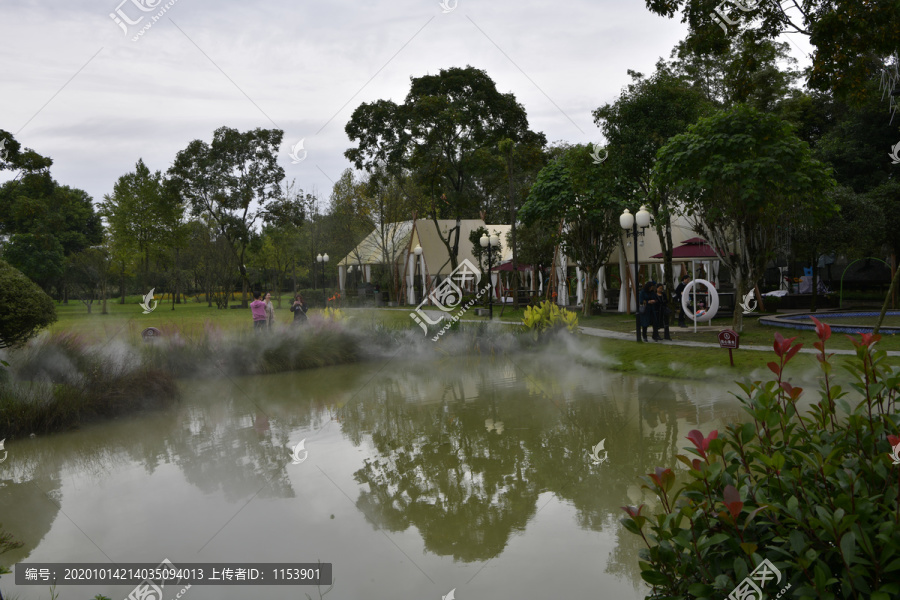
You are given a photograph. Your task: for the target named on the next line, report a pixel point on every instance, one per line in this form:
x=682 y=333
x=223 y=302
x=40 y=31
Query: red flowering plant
x=817 y=494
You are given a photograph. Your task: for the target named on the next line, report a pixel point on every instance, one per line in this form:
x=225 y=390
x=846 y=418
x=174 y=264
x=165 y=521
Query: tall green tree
x=845 y=34
x=45 y=222
x=234 y=181
x=582 y=194
x=740 y=174
x=134 y=215
x=443 y=135
x=647 y=114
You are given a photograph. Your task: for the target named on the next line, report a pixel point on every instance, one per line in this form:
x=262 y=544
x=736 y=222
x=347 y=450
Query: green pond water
x=422 y=477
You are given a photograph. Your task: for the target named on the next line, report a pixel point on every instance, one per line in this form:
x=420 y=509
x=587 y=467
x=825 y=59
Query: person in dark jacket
x=662 y=310
x=678 y=293
x=299 y=309
x=647 y=300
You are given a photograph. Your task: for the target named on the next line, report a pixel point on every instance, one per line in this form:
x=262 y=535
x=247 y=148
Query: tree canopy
x=740 y=174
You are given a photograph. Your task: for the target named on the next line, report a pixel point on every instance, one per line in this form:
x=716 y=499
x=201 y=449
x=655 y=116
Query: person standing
x=258 y=310
x=270 y=312
x=646 y=302
x=679 y=291
x=662 y=310
x=299 y=309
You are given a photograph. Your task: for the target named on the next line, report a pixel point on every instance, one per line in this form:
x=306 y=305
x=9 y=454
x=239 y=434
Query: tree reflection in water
x=442 y=462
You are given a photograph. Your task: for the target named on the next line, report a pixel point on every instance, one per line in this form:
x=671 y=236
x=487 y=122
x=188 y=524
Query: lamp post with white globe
x=490 y=243
x=632 y=222
x=418 y=252
x=323 y=259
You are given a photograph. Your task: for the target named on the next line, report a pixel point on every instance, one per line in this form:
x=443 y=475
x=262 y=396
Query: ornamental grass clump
x=816 y=494
x=548 y=317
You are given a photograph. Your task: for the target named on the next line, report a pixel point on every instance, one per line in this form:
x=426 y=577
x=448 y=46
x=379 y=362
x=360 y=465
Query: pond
x=421 y=477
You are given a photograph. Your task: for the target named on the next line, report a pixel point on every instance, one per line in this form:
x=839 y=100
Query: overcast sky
x=76 y=87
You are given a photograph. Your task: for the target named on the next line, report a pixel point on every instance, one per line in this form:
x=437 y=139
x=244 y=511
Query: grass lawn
x=753 y=334
x=126 y=321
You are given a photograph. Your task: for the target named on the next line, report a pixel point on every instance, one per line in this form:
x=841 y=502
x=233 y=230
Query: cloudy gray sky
x=77 y=88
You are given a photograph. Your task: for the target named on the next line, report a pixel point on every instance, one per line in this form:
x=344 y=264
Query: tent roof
x=400 y=237
x=506 y=265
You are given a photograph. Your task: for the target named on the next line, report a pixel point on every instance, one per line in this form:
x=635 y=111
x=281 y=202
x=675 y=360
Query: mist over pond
x=422 y=476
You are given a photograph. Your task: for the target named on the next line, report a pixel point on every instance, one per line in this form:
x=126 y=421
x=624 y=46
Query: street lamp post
x=418 y=252
x=323 y=259
x=632 y=222
x=490 y=243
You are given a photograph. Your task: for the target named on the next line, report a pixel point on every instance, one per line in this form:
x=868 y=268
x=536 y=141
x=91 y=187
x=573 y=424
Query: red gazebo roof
x=692 y=248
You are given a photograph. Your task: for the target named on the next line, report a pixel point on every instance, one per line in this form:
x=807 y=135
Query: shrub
x=549 y=317
x=816 y=495
x=24 y=307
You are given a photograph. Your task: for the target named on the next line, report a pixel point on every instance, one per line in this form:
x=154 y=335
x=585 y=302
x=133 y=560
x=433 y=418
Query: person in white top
x=270 y=311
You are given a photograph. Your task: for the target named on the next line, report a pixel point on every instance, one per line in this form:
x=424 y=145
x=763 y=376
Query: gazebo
x=696 y=250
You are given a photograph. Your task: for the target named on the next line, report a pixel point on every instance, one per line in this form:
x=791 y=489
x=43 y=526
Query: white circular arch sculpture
x=713 y=301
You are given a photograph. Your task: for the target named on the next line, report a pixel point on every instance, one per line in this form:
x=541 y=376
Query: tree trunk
x=815 y=281
x=737 y=321
x=512 y=218
x=887 y=300
x=122 y=283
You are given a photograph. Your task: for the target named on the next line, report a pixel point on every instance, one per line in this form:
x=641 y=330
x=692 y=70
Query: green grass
x=754 y=333
x=678 y=362
x=126 y=321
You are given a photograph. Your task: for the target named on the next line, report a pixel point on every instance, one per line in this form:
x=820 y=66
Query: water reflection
x=466 y=452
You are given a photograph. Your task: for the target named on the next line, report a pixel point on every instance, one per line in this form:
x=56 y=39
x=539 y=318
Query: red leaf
x=893 y=440
x=790 y=353
x=696 y=438
x=774 y=368
x=696 y=464
x=733 y=501
x=633 y=511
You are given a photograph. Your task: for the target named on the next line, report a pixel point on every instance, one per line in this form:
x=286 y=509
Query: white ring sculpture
x=713 y=301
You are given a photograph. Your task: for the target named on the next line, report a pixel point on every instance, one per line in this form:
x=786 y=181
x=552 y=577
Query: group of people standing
x=653 y=304
x=263 y=311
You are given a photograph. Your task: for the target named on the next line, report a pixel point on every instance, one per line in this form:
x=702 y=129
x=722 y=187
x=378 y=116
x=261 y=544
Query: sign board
x=728 y=338
x=150 y=334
